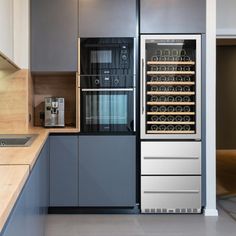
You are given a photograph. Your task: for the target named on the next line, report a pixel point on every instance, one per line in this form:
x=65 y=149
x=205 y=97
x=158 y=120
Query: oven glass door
x=107 y=110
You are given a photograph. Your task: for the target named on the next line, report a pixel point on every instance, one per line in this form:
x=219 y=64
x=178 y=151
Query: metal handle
x=108 y=89
x=143 y=85
x=170 y=158
x=172 y=191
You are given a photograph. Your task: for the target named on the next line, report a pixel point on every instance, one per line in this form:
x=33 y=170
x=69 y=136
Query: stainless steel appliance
x=54 y=112
x=171 y=112
x=107 y=85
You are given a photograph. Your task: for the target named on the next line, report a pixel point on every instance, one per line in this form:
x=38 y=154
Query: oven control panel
x=106 y=81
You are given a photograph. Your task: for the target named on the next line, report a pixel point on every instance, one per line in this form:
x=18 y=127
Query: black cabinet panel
x=54 y=33
x=173 y=16
x=107 y=171
x=107 y=18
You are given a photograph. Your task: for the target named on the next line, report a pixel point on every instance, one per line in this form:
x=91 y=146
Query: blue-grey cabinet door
x=107 y=171
x=172 y=16
x=37 y=194
x=29 y=213
x=63 y=170
x=16 y=225
x=54 y=33
x=107 y=18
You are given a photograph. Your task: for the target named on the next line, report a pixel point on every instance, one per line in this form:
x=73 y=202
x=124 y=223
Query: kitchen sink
x=17 y=140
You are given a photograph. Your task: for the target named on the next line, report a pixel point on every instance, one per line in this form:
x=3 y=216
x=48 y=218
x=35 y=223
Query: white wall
x=6 y=28
x=226 y=17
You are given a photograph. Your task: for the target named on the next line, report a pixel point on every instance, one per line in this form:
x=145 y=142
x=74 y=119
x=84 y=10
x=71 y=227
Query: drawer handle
x=173 y=191
x=171 y=158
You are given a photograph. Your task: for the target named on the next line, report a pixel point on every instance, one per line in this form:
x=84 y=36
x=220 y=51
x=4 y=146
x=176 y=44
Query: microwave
x=106 y=56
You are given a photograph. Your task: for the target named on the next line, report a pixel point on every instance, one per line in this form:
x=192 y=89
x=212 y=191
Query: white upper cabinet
x=6 y=28
x=14 y=34
x=226 y=18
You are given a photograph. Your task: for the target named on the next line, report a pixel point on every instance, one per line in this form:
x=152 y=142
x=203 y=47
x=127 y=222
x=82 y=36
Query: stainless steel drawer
x=170 y=194
x=171 y=158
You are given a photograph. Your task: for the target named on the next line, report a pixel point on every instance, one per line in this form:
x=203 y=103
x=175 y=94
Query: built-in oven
x=107 y=85
x=107 y=104
x=112 y=56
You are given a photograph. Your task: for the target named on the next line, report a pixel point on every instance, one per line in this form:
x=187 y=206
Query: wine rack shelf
x=170 y=72
x=170 y=123
x=171 y=63
x=171 y=103
x=170 y=132
x=170 y=83
x=169 y=93
x=171 y=113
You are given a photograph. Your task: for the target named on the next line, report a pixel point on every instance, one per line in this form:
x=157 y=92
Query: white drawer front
x=171 y=194
x=170 y=158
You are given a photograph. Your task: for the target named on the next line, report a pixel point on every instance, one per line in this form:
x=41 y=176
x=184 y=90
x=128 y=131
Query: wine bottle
x=170 y=109
x=154 y=118
x=186 y=119
x=162 y=127
x=170 y=118
x=162 y=109
x=162 y=118
x=186 y=99
x=178 y=99
x=178 y=118
x=154 y=109
x=154 y=127
x=178 y=127
x=186 y=109
x=178 y=109
x=170 y=99
x=170 y=127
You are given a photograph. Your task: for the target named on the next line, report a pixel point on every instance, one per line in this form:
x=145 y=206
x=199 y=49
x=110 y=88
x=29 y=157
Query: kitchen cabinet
x=54 y=33
x=29 y=214
x=63 y=170
x=225 y=18
x=172 y=16
x=107 y=171
x=107 y=18
x=6 y=25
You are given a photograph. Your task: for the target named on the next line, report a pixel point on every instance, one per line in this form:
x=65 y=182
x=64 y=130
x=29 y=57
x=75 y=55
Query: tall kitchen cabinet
x=107 y=18
x=172 y=16
x=54 y=33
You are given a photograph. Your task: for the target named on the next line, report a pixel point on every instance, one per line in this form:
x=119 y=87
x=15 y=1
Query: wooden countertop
x=28 y=155
x=12 y=180
x=15 y=166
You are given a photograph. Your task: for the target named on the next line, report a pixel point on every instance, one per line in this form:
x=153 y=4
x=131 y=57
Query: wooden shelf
x=170 y=72
x=171 y=103
x=171 y=113
x=170 y=132
x=171 y=62
x=170 y=83
x=169 y=93
x=170 y=123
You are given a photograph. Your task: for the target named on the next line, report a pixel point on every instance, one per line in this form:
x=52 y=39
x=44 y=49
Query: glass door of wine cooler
x=171 y=87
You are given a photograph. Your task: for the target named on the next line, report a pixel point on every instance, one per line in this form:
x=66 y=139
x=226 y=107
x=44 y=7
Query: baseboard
x=94 y=210
x=210 y=212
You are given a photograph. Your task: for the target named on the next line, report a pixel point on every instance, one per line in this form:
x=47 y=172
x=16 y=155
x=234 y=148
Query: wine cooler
x=171 y=124
x=171 y=87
